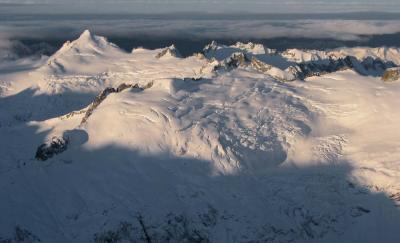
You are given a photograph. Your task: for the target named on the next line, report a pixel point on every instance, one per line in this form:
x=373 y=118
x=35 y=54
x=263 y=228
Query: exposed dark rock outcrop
x=368 y=66
x=97 y=101
x=236 y=60
x=72 y=114
x=391 y=75
x=169 y=51
x=55 y=146
x=290 y=74
x=210 y=47
x=259 y=65
x=106 y=92
x=21 y=235
x=125 y=86
x=240 y=59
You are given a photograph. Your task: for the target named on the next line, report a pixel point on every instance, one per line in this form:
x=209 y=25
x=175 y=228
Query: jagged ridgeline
x=300 y=64
x=235 y=143
x=286 y=66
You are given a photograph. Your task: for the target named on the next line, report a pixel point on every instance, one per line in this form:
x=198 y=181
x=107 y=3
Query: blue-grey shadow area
x=15 y=67
x=115 y=194
x=28 y=106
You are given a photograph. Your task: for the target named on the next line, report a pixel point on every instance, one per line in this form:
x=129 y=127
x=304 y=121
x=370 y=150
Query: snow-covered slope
x=152 y=147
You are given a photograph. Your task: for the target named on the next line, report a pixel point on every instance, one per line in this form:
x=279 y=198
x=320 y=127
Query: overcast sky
x=156 y=6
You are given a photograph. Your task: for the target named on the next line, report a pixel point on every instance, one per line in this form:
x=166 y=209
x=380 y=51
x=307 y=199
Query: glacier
x=235 y=143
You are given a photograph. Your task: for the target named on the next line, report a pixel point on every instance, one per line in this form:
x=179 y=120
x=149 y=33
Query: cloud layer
x=198 y=28
x=173 y=27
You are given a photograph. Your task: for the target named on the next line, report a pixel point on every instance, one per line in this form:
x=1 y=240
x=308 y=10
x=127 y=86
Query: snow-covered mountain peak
x=251 y=47
x=87 y=44
x=299 y=56
x=83 y=52
x=86 y=34
x=87 y=38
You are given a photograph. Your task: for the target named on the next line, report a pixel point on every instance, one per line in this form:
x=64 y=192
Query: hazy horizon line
x=212 y=7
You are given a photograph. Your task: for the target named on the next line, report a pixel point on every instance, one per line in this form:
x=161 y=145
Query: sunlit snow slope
x=100 y=145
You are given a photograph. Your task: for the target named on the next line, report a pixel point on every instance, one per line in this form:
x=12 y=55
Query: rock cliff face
x=391 y=75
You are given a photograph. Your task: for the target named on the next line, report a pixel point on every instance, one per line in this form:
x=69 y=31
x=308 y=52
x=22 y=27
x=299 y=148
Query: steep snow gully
x=237 y=143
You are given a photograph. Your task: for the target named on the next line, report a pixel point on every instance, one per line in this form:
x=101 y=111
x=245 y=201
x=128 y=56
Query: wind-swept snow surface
x=152 y=147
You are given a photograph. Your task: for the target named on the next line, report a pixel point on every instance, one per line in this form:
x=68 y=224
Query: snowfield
x=100 y=145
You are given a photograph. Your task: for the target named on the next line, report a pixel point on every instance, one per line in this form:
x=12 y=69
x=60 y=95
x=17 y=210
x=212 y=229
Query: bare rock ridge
x=106 y=92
